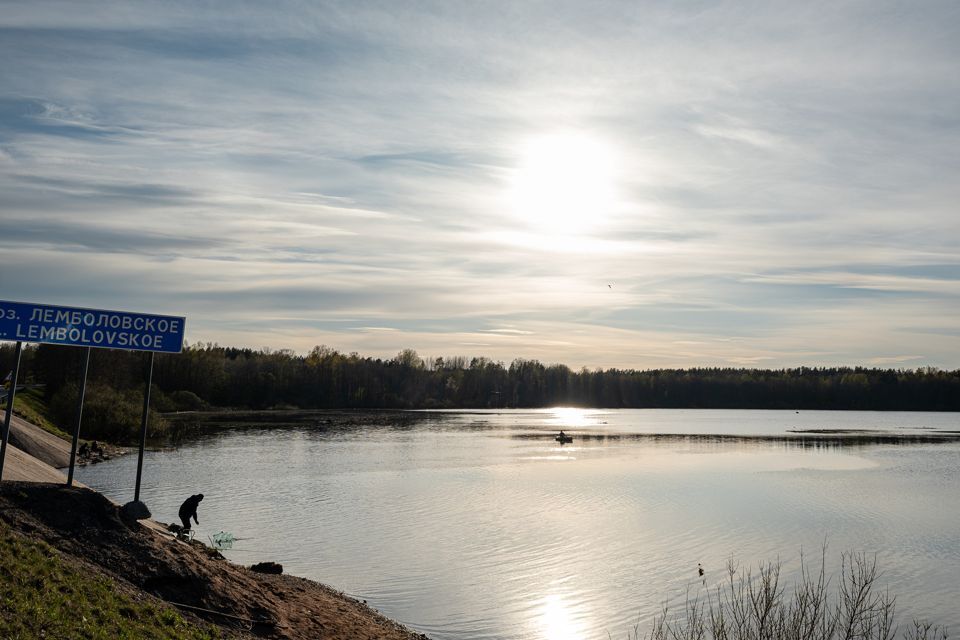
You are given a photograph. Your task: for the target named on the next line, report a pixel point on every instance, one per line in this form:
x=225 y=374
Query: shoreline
x=90 y=532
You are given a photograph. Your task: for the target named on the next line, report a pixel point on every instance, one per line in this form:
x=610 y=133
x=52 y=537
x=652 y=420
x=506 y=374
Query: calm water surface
x=479 y=525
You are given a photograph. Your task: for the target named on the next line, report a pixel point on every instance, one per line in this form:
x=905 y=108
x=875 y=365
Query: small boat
x=564 y=439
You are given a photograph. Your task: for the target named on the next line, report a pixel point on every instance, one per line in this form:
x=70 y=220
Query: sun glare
x=569 y=417
x=564 y=184
x=557 y=621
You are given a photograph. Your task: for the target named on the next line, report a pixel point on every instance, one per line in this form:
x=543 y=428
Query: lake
x=474 y=525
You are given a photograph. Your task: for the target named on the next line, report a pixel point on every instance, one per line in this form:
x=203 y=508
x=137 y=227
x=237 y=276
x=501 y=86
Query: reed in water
x=750 y=605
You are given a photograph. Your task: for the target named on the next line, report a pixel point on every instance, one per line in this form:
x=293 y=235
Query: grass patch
x=30 y=405
x=44 y=596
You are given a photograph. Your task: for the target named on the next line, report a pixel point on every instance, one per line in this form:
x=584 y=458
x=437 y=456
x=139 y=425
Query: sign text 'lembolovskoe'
x=49 y=324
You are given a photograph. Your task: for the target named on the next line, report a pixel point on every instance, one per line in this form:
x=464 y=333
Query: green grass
x=30 y=405
x=44 y=596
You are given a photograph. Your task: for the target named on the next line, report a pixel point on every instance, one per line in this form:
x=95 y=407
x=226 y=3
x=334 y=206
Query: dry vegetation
x=756 y=606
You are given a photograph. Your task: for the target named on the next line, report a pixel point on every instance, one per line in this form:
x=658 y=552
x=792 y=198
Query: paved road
x=22 y=466
x=40 y=444
x=4 y=392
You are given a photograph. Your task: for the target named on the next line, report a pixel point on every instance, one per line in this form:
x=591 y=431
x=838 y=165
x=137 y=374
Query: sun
x=564 y=183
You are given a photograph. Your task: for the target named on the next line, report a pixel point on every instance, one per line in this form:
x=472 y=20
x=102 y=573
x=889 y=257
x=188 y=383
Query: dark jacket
x=189 y=507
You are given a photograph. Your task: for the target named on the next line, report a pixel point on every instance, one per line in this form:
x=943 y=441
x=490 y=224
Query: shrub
x=108 y=414
x=187 y=401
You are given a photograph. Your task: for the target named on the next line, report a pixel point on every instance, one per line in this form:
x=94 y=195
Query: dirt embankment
x=87 y=529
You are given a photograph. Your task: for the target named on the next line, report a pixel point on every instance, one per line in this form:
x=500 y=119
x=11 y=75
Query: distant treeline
x=211 y=375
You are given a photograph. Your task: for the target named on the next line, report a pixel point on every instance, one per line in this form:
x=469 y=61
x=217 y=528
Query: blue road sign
x=29 y=322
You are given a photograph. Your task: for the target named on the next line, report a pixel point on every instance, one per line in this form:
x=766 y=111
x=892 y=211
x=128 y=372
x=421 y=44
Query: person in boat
x=562 y=435
x=189 y=510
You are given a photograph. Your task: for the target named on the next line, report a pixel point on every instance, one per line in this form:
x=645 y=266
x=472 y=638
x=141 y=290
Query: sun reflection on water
x=569 y=417
x=556 y=620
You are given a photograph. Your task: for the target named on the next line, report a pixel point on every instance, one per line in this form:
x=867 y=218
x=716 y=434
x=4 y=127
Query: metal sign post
x=76 y=429
x=143 y=427
x=11 y=395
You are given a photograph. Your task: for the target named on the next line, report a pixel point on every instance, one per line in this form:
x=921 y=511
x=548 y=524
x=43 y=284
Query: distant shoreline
x=323 y=419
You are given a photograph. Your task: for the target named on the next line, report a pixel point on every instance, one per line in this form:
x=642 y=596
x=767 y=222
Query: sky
x=600 y=184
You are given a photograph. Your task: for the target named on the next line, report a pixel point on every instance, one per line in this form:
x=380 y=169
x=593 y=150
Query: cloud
x=67 y=235
x=294 y=174
x=30 y=116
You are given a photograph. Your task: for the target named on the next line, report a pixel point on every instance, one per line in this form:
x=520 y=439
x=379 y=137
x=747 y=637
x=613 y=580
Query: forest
x=209 y=375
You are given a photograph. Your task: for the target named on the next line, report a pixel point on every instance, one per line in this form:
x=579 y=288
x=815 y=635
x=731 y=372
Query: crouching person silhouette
x=189 y=510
